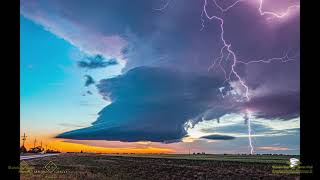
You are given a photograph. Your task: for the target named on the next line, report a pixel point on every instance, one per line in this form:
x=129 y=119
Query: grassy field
x=155 y=166
x=275 y=159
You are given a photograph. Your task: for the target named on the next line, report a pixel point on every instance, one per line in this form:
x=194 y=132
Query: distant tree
x=37 y=149
x=23 y=149
x=52 y=151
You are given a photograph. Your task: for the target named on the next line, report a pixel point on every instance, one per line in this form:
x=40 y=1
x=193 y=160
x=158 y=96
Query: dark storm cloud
x=218 y=137
x=277 y=106
x=95 y=62
x=174 y=39
x=150 y=104
x=89 y=80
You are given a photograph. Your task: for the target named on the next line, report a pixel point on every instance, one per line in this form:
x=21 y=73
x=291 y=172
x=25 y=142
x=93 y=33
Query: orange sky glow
x=63 y=146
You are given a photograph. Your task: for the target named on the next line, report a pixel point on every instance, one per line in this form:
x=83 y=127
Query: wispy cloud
x=273 y=148
x=95 y=62
x=89 y=80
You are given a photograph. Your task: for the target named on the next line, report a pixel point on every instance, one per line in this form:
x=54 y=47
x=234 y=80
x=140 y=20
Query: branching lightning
x=230 y=52
x=226 y=52
x=285 y=58
x=274 y=14
x=227 y=8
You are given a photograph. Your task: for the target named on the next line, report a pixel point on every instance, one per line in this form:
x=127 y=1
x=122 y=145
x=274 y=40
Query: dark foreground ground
x=98 y=166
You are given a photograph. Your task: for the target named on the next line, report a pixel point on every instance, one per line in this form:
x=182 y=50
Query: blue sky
x=50 y=81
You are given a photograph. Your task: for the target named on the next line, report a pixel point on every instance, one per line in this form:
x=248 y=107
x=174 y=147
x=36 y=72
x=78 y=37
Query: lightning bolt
x=274 y=14
x=164 y=6
x=226 y=51
x=285 y=58
x=260 y=8
x=248 y=119
x=226 y=46
x=227 y=8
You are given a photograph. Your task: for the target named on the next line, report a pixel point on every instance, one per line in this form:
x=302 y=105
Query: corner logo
x=24 y=167
x=294 y=162
x=51 y=167
x=294 y=167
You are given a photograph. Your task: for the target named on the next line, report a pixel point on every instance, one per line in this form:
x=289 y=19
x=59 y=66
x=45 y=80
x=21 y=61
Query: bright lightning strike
x=261 y=11
x=227 y=48
x=285 y=58
x=274 y=14
x=248 y=121
x=230 y=54
x=227 y=8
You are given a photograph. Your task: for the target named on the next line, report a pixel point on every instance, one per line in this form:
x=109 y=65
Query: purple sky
x=168 y=79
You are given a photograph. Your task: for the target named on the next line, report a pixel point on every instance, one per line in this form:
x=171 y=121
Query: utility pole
x=34 y=143
x=24 y=137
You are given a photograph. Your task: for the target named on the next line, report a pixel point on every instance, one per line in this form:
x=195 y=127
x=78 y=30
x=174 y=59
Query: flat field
x=155 y=166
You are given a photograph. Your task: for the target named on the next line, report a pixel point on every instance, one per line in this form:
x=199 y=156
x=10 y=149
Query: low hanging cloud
x=89 y=80
x=285 y=105
x=154 y=104
x=95 y=62
x=218 y=137
x=150 y=104
x=89 y=92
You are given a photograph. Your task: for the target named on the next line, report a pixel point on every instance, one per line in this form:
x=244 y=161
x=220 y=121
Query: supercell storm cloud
x=185 y=61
